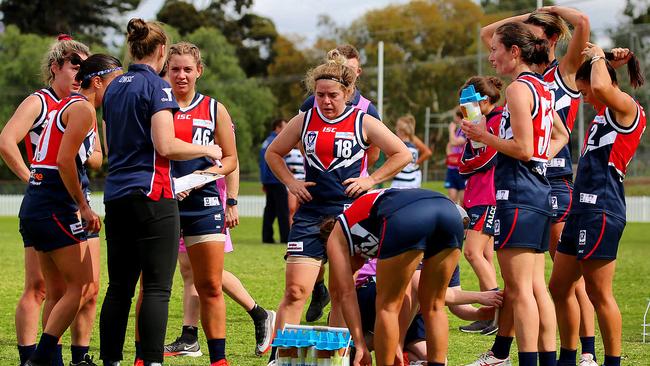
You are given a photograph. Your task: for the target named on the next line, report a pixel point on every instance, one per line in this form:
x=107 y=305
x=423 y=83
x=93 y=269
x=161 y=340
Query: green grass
x=261 y=269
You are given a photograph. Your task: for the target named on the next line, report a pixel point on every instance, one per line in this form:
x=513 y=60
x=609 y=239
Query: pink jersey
x=368 y=270
x=478 y=165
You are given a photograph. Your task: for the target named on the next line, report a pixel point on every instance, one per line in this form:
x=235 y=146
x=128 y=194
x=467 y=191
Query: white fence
x=638 y=208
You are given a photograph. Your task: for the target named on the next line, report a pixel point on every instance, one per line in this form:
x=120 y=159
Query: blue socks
x=612 y=361
x=57 y=360
x=78 y=353
x=567 y=357
x=588 y=345
x=547 y=358
x=501 y=347
x=25 y=352
x=217 y=349
x=527 y=358
x=46 y=349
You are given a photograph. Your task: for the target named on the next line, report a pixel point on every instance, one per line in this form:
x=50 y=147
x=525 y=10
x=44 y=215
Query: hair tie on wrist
x=596 y=58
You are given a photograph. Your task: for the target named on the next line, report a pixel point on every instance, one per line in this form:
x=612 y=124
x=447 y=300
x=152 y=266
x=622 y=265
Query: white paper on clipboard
x=194 y=180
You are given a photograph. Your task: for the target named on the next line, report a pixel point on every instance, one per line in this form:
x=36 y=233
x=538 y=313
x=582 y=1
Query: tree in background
x=89 y=20
x=251 y=34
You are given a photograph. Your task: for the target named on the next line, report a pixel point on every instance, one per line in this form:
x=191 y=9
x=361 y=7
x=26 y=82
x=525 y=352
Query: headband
x=100 y=73
x=333 y=78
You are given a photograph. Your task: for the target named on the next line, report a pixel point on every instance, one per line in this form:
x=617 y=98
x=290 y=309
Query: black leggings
x=142 y=237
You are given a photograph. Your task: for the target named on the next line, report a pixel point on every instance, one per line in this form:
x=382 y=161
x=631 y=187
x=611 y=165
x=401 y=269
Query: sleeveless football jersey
x=411 y=172
x=524 y=184
x=607 y=151
x=46 y=193
x=49 y=100
x=334 y=151
x=456 y=152
x=363 y=221
x=567 y=102
x=196 y=124
x=296 y=163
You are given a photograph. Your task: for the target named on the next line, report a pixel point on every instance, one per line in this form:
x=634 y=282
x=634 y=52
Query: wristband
x=596 y=58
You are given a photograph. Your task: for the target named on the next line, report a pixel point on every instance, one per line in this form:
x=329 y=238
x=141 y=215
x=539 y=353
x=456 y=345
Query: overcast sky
x=300 y=16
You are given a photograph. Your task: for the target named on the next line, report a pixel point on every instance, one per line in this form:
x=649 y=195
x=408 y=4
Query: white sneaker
x=273 y=363
x=488 y=359
x=587 y=359
x=264 y=333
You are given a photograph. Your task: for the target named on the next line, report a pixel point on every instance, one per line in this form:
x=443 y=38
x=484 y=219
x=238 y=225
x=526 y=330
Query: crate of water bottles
x=300 y=345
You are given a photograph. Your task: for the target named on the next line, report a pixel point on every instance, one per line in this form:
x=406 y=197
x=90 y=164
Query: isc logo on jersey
x=310 y=146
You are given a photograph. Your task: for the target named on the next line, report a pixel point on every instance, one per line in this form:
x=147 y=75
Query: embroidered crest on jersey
x=310 y=142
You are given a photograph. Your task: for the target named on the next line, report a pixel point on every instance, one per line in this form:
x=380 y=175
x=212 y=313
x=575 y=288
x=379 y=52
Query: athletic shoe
x=488 y=359
x=138 y=362
x=318 y=303
x=490 y=329
x=264 y=333
x=220 y=363
x=272 y=363
x=475 y=327
x=87 y=361
x=182 y=347
x=587 y=359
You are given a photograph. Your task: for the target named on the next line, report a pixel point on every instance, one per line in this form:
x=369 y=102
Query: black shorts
x=438 y=226
x=593 y=235
x=54 y=232
x=211 y=223
x=481 y=219
x=454 y=180
x=561 y=194
x=521 y=228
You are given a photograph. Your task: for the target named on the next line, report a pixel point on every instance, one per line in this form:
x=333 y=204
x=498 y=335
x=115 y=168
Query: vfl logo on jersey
x=294 y=246
x=588 y=198
x=310 y=144
x=503 y=194
x=582 y=237
x=76 y=228
x=554 y=202
x=168 y=92
x=210 y=201
x=497 y=227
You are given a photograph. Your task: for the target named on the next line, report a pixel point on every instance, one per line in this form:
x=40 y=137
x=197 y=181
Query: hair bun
x=495 y=81
x=335 y=56
x=137 y=30
x=64 y=37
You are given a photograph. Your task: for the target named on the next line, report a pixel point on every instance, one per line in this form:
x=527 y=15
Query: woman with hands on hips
x=335 y=138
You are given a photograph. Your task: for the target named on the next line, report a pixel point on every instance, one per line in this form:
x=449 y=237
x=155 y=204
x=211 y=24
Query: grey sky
x=300 y=17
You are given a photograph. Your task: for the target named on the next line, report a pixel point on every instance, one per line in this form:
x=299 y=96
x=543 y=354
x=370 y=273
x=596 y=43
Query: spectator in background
x=277 y=200
x=454 y=182
x=296 y=164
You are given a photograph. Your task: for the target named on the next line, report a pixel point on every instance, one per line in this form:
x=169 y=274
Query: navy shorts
x=561 y=193
x=417 y=331
x=304 y=236
x=51 y=233
x=481 y=219
x=593 y=235
x=437 y=226
x=521 y=228
x=454 y=180
x=211 y=223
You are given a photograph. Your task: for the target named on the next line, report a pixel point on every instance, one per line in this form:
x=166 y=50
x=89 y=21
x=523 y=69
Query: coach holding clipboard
x=142 y=222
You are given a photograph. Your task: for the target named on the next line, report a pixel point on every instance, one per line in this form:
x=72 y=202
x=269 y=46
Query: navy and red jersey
x=134 y=166
x=196 y=124
x=49 y=100
x=521 y=184
x=363 y=221
x=46 y=193
x=334 y=151
x=567 y=102
x=607 y=151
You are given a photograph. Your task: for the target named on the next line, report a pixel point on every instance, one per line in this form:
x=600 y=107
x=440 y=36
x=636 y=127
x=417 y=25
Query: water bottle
x=471 y=109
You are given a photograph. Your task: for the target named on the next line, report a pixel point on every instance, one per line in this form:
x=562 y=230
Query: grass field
x=261 y=269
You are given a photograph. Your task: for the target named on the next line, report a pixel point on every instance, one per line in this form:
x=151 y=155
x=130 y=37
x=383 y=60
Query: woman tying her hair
x=596 y=221
x=48 y=214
